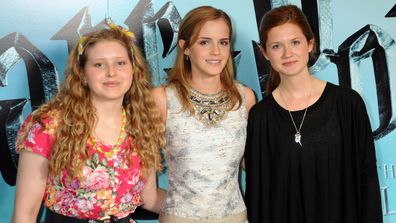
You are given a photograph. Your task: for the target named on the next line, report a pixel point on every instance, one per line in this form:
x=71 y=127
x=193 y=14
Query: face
x=288 y=50
x=210 y=52
x=108 y=71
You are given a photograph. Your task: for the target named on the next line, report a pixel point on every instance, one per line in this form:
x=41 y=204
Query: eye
x=296 y=42
x=98 y=65
x=275 y=46
x=121 y=63
x=203 y=42
x=224 y=42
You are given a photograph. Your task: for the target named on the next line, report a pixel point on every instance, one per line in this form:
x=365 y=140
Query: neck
x=108 y=110
x=295 y=95
x=296 y=88
x=209 y=85
x=109 y=125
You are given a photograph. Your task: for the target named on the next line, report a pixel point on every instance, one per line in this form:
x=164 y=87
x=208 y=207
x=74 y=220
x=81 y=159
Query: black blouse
x=332 y=178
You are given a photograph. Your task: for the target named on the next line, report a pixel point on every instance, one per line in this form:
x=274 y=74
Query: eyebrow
x=208 y=38
x=296 y=38
x=104 y=58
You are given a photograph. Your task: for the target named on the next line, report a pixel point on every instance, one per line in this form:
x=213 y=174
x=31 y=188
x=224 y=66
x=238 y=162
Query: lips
x=213 y=61
x=111 y=83
x=289 y=63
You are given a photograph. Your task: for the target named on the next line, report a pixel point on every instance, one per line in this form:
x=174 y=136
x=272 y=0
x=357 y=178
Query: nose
x=287 y=52
x=111 y=71
x=215 y=50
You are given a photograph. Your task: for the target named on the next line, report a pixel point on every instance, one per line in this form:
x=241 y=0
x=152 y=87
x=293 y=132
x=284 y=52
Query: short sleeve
x=38 y=139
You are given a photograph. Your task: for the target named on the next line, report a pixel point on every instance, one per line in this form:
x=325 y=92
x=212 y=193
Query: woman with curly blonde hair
x=91 y=153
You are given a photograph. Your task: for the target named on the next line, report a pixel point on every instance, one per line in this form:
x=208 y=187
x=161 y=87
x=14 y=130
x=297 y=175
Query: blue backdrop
x=357 y=49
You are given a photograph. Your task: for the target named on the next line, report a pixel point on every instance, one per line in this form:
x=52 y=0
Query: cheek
x=228 y=53
x=89 y=79
x=91 y=74
x=129 y=78
x=270 y=56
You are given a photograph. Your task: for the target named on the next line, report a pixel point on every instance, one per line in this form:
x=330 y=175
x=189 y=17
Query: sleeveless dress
x=203 y=165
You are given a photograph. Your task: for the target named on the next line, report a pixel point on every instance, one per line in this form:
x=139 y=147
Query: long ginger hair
x=77 y=114
x=180 y=74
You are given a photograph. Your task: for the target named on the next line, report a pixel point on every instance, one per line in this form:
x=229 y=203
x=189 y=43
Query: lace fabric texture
x=203 y=162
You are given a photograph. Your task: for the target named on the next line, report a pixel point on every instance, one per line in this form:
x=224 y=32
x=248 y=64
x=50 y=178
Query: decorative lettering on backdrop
x=388 y=172
x=43 y=78
x=43 y=84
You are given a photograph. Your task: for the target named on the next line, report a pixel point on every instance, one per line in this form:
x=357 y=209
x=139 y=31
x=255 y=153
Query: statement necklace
x=112 y=153
x=297 y=136
x=209 y=108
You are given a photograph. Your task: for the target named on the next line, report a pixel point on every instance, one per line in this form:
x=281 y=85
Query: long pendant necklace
x=112 y=153
x=297 y=135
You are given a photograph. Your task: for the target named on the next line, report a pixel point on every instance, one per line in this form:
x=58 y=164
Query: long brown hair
x=77 y=113
x=180 y=74
x=279 y=16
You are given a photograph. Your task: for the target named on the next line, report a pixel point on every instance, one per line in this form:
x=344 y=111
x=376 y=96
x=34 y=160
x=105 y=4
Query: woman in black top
x=310 y=155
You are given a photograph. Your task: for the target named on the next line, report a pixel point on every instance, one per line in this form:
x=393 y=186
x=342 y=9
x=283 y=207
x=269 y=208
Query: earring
x=85 y=83
x=187 y=58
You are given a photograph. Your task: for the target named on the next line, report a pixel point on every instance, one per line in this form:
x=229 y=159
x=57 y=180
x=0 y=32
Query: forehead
x=214 y=29
x=106 y=48
x=284 y=32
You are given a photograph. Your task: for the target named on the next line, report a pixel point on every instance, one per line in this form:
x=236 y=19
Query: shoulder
x=247 y=94
x=159 y=95
x=346 y=94
x=39 y=136
x=261 y=108
x=159 y=91
x=250 y=97
x=47 y=120
x=347 y=100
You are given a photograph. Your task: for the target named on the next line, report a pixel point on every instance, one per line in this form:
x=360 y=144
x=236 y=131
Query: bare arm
x=250 y=98
x=152 y=196
x=31 y=181
x=159 y=95
x=250 y=101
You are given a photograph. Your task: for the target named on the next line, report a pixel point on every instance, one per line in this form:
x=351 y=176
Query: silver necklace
x=297 y=135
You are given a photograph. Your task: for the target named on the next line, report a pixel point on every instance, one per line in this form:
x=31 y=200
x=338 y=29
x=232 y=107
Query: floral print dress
x=108 y=186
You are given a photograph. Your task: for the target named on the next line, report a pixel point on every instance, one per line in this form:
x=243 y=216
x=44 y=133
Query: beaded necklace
x=112 y=153
x=209 y=108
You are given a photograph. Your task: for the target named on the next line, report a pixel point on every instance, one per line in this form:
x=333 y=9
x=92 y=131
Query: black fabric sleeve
x=369 y=192
x=252 y=168
x=257 y=193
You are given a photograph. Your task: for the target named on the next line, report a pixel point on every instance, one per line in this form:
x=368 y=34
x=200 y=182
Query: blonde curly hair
x=77 y=114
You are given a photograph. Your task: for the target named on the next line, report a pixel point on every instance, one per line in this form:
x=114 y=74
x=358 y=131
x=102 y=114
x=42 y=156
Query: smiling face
x=108 y=71
x=210 y=52
x=288 y=49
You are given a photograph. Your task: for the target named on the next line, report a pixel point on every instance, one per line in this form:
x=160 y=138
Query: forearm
x=30 y=187
x=156 y=202
x=22 y=216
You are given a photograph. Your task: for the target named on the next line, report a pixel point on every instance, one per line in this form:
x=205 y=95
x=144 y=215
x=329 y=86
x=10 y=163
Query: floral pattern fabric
x=108 y=186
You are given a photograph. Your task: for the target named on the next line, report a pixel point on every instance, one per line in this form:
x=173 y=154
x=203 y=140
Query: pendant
x=297 y=138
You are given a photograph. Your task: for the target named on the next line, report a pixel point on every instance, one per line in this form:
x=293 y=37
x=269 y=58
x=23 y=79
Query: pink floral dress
x=108 y=186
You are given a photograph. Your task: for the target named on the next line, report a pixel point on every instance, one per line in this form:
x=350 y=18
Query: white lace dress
x=203 y=166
